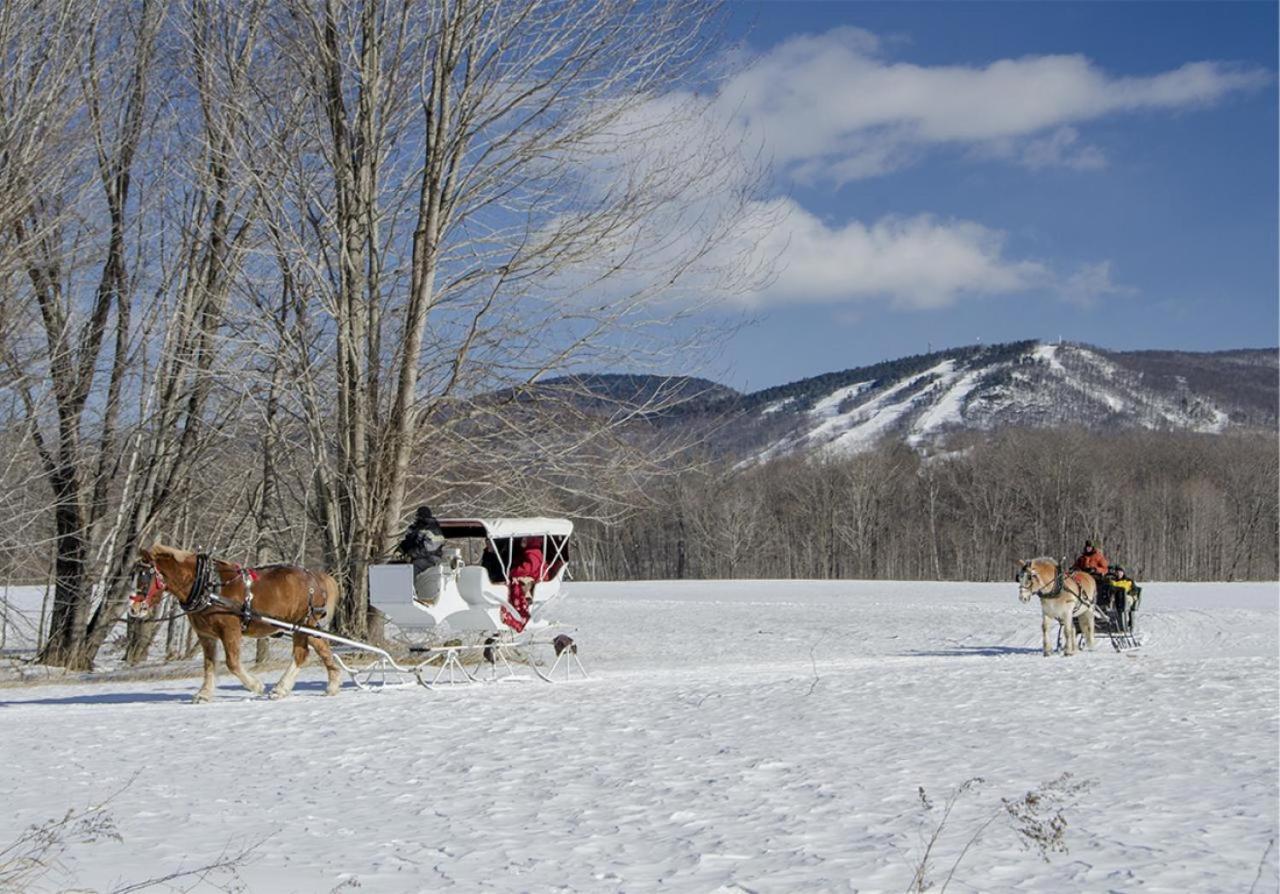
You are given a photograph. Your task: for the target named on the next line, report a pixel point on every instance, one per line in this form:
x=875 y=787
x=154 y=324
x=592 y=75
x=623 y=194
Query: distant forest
x=1166 y=506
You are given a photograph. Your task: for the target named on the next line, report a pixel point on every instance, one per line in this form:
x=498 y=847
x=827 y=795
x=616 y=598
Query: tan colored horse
x=1067 y=597
x=213 y=595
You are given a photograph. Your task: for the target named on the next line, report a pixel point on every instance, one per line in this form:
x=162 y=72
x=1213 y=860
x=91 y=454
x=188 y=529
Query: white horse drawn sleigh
x=478 y=614
x=460 y=610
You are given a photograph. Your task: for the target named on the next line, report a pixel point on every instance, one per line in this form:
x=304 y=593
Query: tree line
x=1167 y=506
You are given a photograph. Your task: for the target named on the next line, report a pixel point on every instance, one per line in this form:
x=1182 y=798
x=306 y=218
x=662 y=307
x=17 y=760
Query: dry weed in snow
x=1037 y=817
x=39 y=854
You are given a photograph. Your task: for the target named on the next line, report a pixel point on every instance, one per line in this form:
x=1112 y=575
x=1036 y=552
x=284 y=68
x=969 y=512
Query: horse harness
x=206 y=592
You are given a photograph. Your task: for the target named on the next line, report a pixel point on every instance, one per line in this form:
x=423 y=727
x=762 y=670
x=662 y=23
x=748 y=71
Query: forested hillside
x=1167 y=506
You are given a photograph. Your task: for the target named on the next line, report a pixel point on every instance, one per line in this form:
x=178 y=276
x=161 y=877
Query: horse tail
x=330 y=598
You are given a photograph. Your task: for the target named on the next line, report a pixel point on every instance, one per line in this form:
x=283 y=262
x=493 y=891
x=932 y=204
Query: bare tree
x=120 y=387
x=75 y=99
x=478 y=195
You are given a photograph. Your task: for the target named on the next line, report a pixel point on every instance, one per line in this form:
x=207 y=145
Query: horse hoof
x=200 y=698
x=333 y=690
x=278 y=693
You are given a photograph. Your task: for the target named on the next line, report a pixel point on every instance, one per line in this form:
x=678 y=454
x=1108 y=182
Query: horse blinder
x=148 y=586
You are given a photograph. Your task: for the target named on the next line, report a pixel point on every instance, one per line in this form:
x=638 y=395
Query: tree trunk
x=64 y=646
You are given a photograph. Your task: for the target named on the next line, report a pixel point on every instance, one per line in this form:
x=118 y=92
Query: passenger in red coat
x=528 y=570
x=1092 y=560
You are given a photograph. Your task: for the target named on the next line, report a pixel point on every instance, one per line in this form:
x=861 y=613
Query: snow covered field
x=735 y=736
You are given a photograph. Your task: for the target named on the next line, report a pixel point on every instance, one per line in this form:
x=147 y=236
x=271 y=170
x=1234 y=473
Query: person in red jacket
x=528 y=570
x=1092 y=560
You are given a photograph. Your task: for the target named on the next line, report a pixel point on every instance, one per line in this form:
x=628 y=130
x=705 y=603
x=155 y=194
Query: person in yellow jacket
x=1120 y=580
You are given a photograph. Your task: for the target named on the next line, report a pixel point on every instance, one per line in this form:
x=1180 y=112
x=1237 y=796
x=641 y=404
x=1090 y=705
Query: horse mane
x=184 y=555
x=178 y=555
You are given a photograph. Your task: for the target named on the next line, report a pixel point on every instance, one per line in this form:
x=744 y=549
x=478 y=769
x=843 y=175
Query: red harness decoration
x=154 y=591
x=251 y=573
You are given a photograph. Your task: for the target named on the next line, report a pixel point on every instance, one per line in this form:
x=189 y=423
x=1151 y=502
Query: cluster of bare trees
x=269 y=267
x=1167 y=506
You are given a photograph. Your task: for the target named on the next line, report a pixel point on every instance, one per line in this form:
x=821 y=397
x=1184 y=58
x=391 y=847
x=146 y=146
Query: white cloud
x=1062 y=148
x=1091 y=283
x=914 y=263
x=829 y=108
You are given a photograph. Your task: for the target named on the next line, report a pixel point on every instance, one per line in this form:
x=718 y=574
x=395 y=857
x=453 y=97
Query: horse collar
x=1057 y=585
x=205 y=585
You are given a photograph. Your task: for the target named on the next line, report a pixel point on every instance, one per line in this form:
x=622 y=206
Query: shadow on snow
x=140 y=698
x=973 y=651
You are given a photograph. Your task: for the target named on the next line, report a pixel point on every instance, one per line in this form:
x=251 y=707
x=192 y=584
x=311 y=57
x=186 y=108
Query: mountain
x=923 y=398
x=607 y=390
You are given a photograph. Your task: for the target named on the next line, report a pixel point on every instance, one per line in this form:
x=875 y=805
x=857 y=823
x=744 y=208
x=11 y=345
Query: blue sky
x=956 y=172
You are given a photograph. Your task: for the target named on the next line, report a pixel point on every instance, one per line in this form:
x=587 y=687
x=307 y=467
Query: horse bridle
x=148 y=584
x=206 y=585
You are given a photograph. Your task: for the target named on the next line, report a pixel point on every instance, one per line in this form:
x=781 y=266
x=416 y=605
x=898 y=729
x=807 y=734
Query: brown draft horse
x=216 y=609
x=1067 y=597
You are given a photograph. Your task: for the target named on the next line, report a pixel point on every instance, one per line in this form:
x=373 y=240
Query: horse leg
x=285 y=686
x=1046 y=623
x=325 y=651
x=1068 y=634
x=231 y=645
x=1086 y=624
x=209 y=646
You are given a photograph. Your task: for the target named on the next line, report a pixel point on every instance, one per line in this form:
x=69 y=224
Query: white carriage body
x=461 y=595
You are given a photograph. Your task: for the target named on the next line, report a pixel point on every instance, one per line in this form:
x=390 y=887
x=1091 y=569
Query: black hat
x=1088 y=544
x=424 y=512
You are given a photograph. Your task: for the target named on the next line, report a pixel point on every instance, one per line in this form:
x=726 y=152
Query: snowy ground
x=735 y=736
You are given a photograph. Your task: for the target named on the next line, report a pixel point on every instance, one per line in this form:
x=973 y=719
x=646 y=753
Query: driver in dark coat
x=423 y=543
